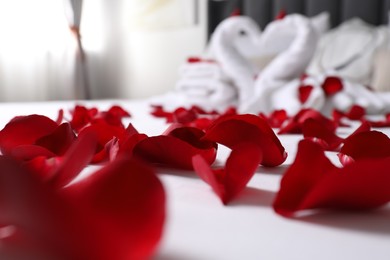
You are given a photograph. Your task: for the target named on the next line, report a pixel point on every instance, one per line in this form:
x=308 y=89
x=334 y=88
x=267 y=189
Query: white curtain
x=37 y=51
x=73 y=10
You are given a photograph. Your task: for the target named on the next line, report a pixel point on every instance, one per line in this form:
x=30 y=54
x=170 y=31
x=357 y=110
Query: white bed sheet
x=198 y=226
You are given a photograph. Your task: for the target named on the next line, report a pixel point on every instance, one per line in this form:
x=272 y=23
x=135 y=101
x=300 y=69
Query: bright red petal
x=332 y=85
x=25 y=130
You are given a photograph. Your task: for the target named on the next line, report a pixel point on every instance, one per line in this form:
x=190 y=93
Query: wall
x=135 y=63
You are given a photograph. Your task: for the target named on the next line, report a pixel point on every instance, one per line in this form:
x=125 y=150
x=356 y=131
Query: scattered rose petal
x=25 y=130
x=276 y=119
x=332 y=85
x=115 y=213
x=228 y=182
x=233 y=130
x=126 y=203
x=362 y=185
x=59 y=140
x=363 y=145
x=176 y=149
x=304 y=93
x=295 y=124
x=317 y=132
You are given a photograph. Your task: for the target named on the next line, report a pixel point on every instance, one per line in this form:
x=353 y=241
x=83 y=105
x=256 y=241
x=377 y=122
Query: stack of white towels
x=261 y=71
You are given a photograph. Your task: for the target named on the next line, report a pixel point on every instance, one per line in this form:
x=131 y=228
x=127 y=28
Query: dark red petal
x=304 y=93
x=192 y=136
x=364 y=127
x=241 y=165
x=125 y=202
x=81 y=116
x=25 y=130
x=78 y=156
x=313 y=128
x=29 y=152
x=118 y=111
x=184 y=116
x=308 y=169
x=356 y=112
x=337 y=118
x=295 y=124
x=58 y=141
x=332 y=85
x=233 y=130
x=169 y=151
x=372 y=144
x=105 y=132
x=276 y=119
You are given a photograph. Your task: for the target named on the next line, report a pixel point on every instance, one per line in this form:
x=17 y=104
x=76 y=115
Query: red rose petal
x=169 y=151
x=25 y=130
x=47 y=224
x=356 y=112
x=59 y=140
x=276 y=119
x=332 y=85
x=29 y=152
x=125 y=201
x=359 y=186
x=241 y=165
x=233 y=130
x=75 y=159
x=304 y=93
x=315 y=129
x=372 y=144
x=282 y=13
x=295 y=124
x=105 y=132
x=184 y=116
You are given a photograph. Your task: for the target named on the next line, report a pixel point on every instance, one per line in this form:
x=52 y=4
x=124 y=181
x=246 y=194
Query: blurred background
x=96 y=49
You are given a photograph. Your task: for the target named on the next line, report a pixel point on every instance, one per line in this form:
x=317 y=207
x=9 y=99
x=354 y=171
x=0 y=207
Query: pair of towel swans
x=292 y=42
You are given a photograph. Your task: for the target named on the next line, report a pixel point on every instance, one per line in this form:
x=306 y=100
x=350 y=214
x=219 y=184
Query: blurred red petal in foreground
x=117 y=212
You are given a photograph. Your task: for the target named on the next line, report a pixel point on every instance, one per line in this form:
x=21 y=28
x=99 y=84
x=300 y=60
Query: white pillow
x=349 y=51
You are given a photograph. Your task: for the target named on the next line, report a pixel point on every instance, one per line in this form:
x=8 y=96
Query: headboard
x=264 y=11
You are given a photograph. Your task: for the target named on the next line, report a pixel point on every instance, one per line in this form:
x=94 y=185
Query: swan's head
x=241 y=32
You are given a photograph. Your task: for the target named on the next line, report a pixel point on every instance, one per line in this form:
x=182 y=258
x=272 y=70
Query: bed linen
x=199 y=226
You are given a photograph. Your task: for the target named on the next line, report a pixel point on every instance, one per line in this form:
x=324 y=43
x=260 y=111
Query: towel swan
x=231 y=76
x=272 y=89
